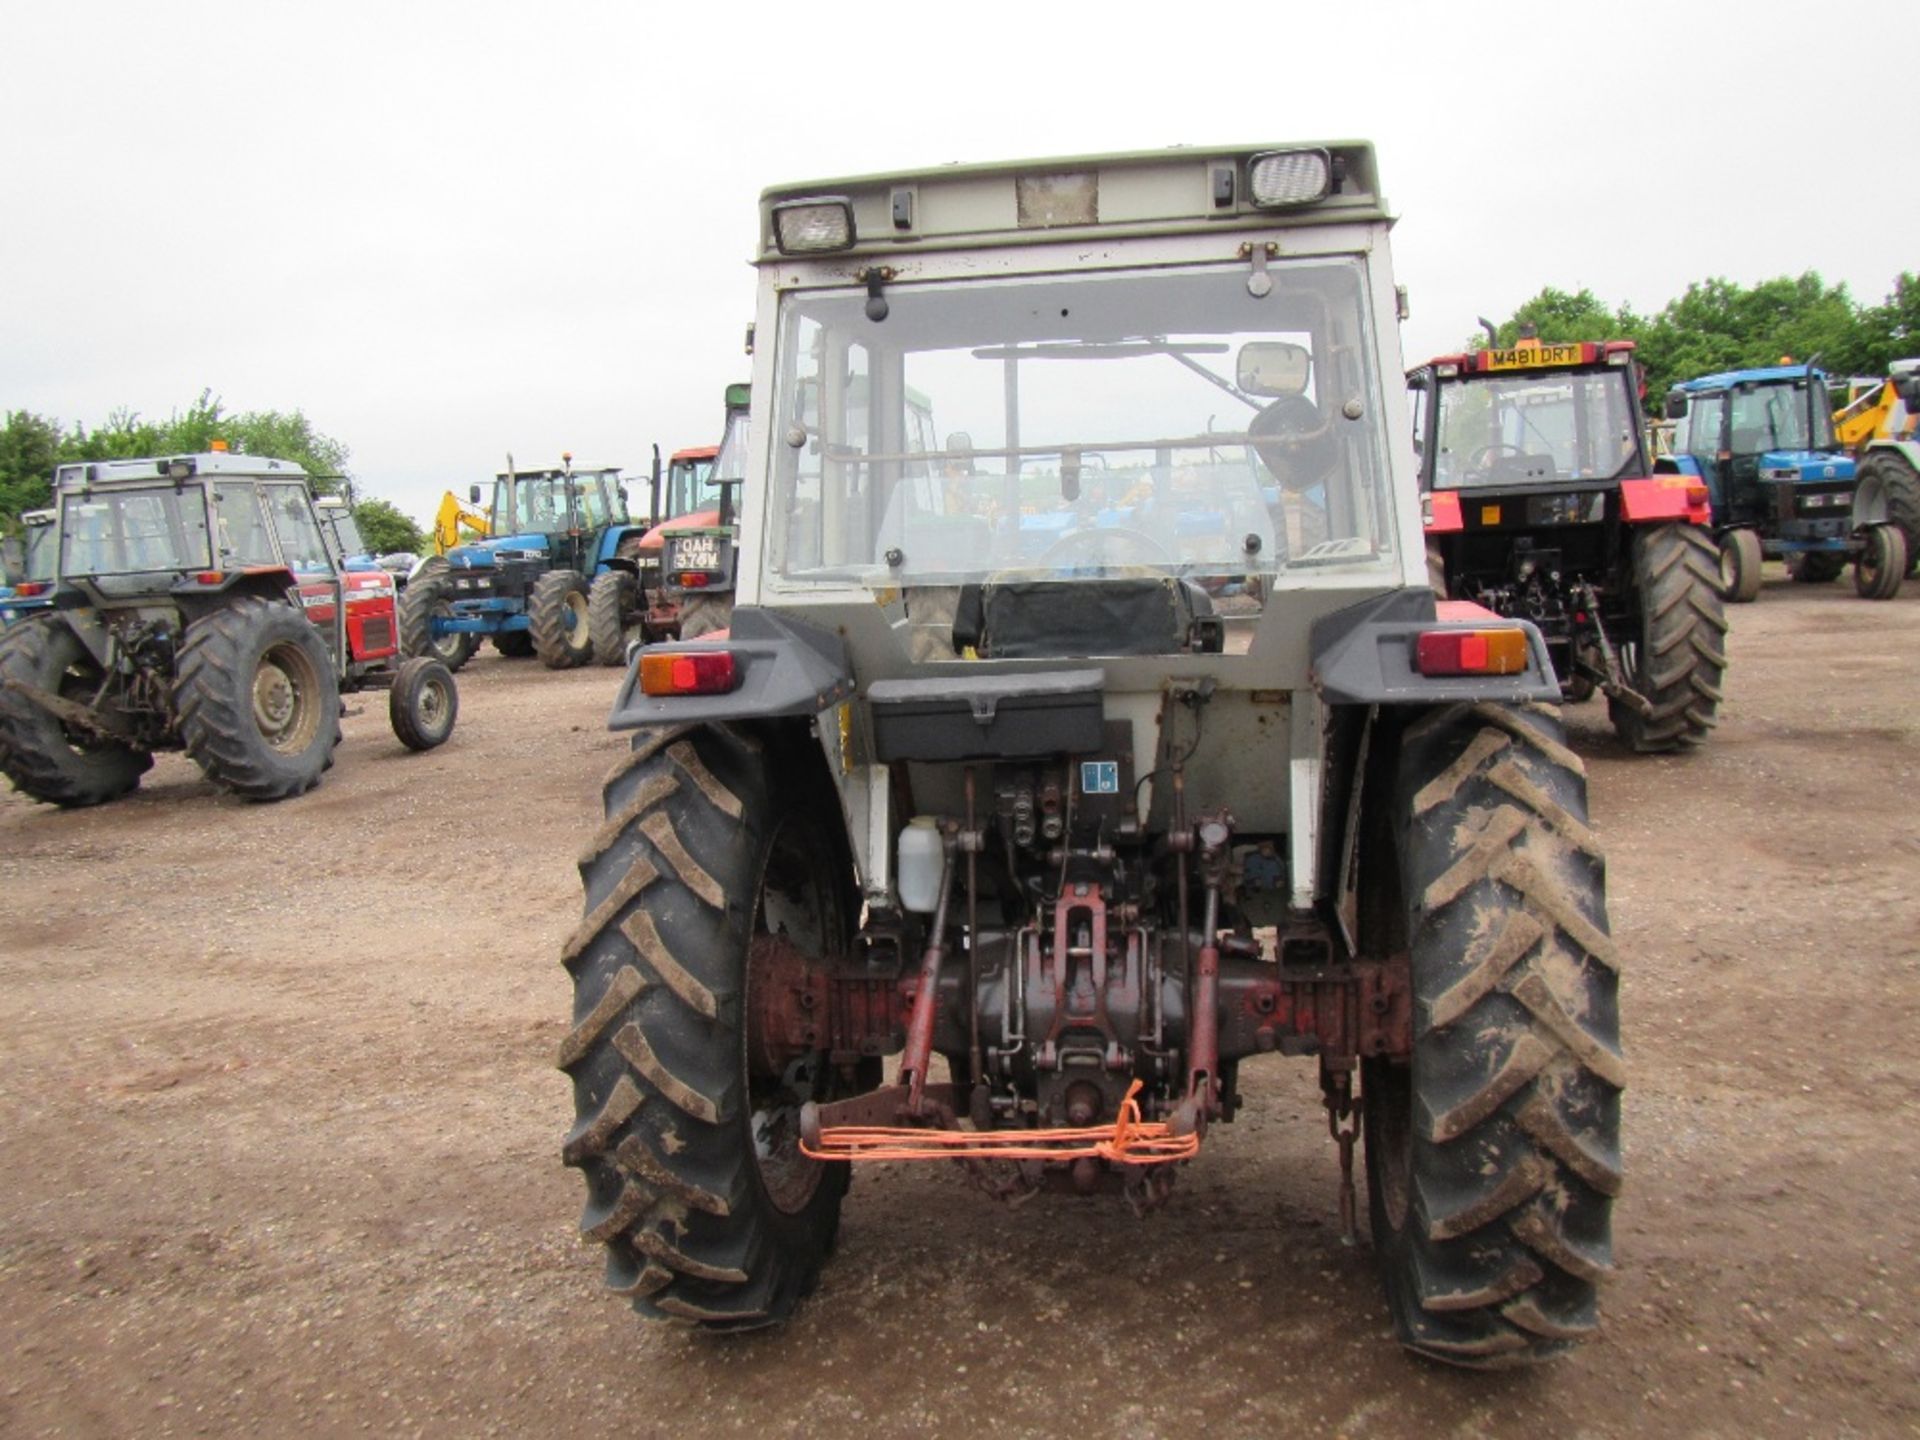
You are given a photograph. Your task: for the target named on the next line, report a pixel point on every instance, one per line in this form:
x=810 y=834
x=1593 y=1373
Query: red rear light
x=208 y=577
x=694 y=579
x=1471 y=652
x=1696 y=494
x=1441 y=512
x=31 y=587
x=699 y=672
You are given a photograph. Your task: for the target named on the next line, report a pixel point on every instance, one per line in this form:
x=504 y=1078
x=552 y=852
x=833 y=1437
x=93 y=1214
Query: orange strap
x=1128 y=1141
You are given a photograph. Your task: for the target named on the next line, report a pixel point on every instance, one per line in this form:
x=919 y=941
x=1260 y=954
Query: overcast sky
x=447 y=231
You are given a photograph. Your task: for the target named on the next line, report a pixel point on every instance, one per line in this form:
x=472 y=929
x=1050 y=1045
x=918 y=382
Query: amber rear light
x=702 y=672
x=1471 y=652
x=31 y=587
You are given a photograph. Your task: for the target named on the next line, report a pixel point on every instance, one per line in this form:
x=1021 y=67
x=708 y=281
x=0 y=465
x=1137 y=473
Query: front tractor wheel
x=427 y=598
x=687 y=1138
x=423 y=703
x=1740 y=561
x=611 y=617
x=557 y=620
x=45 y=757
x=1493 y=1156
x=258 y=702
x=1899 y=482
x=1881 y=563
x=1678 y=656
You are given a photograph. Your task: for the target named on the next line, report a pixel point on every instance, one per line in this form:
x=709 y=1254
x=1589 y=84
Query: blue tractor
x=1780 y=485
x=525 y=585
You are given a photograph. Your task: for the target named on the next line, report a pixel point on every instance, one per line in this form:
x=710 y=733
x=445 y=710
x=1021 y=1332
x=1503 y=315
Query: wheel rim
x=432 y=704
x=1729 y=568
x=573 y=617
x=285 y=684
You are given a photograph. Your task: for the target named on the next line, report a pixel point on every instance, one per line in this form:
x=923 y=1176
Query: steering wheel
x=1483 y=458
x=1093 y=543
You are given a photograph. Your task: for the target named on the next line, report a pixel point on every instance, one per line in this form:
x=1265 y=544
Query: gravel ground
x=280 y=1126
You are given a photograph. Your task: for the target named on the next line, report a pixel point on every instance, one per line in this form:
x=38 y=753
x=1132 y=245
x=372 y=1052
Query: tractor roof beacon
x=1540 y=501
x=196 y=605
x=1094 y=740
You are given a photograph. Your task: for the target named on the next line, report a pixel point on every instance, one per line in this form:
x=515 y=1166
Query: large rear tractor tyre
x=1881 y=564
x=704 y=615
x=1815 y=567
x=1740 y=561
x=428 y=595
x=557 y=620
x=1493 y=1157
x=1678 y=658
x=258 y=702
x=514 y=644
x=46 y=759
x=423 y=703
x=695 y=1182
x=1900 y=483
x=612 y=620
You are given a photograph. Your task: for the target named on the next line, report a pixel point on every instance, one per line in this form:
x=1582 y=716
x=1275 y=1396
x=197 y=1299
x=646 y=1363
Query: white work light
x=1289 y=177
x=809 y=226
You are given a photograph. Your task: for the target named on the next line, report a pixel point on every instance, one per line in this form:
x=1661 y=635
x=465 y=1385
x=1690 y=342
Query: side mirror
x=473 y=494
x=1676 y=406
x=1273 y=368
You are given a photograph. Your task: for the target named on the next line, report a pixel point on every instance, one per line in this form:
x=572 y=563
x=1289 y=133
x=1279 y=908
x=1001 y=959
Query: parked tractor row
x=561 y=569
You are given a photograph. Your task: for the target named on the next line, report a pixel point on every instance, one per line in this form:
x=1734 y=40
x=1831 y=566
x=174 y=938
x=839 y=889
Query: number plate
x=1534 y=357
x=693 y=552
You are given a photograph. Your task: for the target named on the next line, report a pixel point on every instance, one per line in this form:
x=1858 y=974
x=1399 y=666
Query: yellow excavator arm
x=1877 y=411
x=456 y=521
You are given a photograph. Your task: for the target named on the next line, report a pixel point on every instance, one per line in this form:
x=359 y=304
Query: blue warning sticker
x=1099 y=777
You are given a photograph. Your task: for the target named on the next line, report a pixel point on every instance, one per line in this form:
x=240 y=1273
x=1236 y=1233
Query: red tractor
x=197 y=606
x=1541 y=504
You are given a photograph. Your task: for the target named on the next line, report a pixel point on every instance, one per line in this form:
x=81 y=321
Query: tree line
x=1719 y=325
x=32 y=445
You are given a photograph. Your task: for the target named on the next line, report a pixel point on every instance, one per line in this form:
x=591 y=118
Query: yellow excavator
x=1877 y=409
x=457 y=522
x=1877 y=423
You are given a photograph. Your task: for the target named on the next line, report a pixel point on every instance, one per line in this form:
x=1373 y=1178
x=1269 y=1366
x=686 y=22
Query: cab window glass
x=1703 y=425
x=244 y=538
x=301 y=544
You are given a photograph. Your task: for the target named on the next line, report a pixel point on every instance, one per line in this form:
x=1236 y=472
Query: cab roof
x=1184 y=189
x=697 y=452
x=1727 y=379
x=160 y=467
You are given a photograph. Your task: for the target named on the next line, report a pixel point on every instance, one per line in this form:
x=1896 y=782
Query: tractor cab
x=558 y=512
x=32 y=588
x=689 y=476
